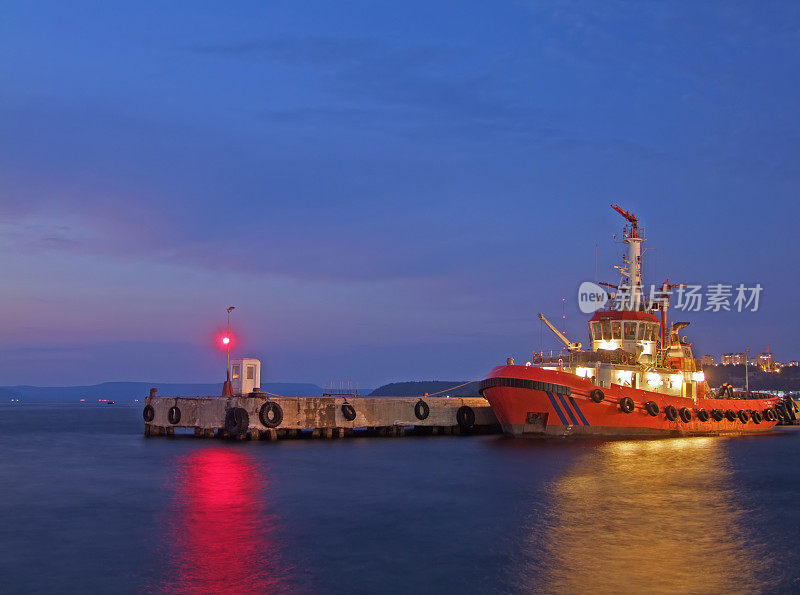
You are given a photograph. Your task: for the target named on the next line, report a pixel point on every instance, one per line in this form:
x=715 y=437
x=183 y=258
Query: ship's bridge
x=631 y=331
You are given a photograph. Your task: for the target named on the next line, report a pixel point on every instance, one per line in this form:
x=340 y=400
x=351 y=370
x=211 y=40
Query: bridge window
x=616 y=330
x=641 y=333
x=606 y=331
x=597 y=331
x=630 y=331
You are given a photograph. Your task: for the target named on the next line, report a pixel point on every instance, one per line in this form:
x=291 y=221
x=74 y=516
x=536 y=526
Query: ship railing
x=741 y=394
x=577 y=358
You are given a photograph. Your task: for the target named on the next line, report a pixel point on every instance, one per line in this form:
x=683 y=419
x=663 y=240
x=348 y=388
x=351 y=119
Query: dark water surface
x=88 y=504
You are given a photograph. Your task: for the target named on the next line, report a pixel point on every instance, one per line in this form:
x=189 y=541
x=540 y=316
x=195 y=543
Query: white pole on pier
x=228 y=340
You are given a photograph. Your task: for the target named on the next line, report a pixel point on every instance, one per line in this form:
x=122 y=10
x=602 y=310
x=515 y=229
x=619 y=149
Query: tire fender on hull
x=597 y=395
x=652 y=408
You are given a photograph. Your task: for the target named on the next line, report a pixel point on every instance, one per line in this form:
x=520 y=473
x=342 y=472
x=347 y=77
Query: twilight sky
x=384 y=190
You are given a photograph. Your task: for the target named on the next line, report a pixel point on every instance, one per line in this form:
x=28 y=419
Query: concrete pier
x=262 y=417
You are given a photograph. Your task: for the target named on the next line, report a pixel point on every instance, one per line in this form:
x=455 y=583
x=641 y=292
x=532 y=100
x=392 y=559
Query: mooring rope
x=453 y=387
x=274 y=395
x=427 y=395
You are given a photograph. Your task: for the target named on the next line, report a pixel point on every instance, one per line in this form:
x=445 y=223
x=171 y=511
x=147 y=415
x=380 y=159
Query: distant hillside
x=787 y=379
x=126 y=392
x=412 y=389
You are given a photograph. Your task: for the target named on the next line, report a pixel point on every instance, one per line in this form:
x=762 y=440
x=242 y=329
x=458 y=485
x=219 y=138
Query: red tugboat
x=639 y=378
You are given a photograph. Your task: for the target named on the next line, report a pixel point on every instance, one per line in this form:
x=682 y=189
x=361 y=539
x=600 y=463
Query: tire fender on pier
x=174 y=415
x=270 y=414
x=148 y=413
x=465 y=417
x=348 y=411
x=422 y=410
x=237 y=421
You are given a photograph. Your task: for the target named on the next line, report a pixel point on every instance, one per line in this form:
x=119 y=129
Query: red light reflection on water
x=221 y=539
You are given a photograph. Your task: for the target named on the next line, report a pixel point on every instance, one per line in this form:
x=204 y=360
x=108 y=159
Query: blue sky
x=384 y=190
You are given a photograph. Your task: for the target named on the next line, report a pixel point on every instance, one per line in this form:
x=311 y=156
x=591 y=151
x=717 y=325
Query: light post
x=227 y=388
x=747 y=371
x=227 y=340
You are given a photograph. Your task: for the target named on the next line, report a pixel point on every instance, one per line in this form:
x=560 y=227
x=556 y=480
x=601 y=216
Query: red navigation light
x=225 y=340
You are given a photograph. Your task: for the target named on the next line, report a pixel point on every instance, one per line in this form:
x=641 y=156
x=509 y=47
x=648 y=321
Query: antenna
x=541 y=336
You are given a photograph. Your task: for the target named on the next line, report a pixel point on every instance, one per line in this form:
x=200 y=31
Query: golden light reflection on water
x=646 y=516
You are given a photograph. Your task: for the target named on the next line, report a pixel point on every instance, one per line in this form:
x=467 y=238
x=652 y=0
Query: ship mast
x=634 y=260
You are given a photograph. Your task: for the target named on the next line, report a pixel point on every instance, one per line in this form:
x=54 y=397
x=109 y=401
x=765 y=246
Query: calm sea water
x=87 y=503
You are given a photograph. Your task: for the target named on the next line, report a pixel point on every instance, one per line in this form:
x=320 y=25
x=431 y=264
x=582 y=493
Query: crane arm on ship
x=627 y=214
x=569 y=344
x=632 y=219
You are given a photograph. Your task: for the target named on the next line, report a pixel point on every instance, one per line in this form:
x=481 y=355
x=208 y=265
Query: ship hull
x=533 y=402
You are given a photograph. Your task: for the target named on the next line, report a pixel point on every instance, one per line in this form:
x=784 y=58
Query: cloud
x=293 y=51
x=373 y=76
